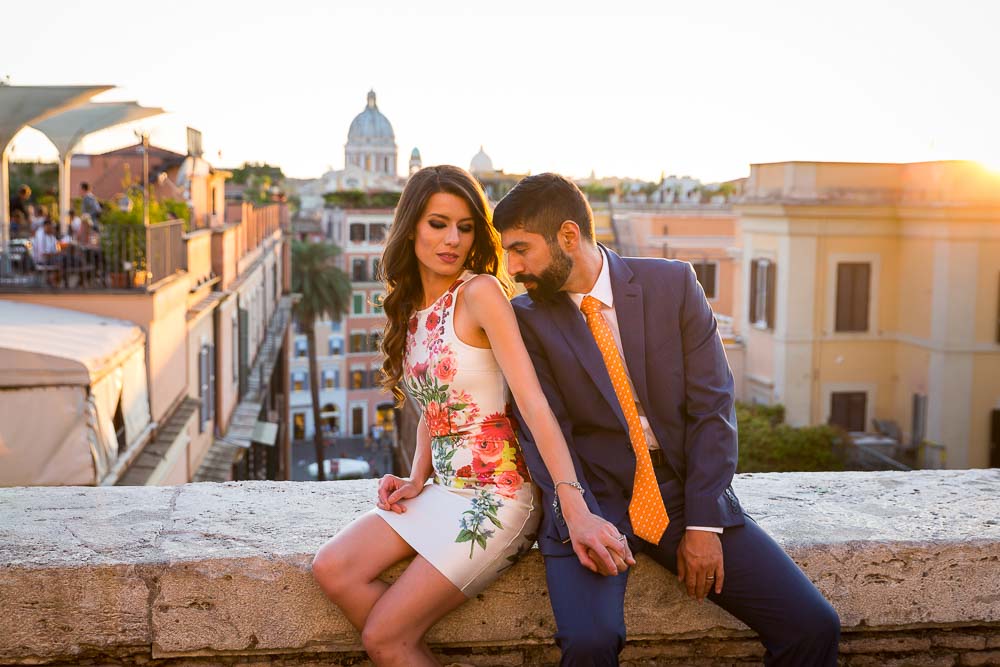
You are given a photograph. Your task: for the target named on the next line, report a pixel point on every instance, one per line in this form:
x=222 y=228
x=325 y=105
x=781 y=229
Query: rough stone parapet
x=219 y=574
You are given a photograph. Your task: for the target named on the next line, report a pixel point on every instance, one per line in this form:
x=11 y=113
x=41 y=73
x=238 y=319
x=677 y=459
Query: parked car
x=342 y=469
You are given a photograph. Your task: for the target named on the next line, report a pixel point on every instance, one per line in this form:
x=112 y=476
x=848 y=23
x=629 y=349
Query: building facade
x=870 y=292
x=215 y=315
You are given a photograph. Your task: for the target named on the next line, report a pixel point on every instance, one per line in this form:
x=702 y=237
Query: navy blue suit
x=682 y=379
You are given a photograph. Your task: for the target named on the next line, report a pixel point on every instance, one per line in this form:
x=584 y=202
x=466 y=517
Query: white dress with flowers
x=480 y=511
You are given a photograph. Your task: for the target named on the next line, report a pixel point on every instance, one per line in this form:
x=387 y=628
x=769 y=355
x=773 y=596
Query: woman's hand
x=598 y=545
x=392 y=489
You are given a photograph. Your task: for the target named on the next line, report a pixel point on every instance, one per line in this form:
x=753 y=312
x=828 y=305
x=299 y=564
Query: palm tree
x=326 y=293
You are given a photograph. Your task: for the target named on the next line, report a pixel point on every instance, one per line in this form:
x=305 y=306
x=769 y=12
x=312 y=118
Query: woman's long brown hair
x=399 y=270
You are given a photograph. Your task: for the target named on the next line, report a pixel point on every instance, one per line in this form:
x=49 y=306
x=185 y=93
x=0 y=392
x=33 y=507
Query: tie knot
x=591 y=305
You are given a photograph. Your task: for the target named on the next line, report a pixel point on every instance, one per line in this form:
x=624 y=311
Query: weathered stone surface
x=203 y=570
x=981 y=658
x=959 y=640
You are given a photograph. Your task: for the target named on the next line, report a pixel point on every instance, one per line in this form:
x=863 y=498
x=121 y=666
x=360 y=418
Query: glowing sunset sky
x=623 y=88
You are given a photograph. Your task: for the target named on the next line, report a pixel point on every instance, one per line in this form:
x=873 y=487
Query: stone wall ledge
x=209 y=574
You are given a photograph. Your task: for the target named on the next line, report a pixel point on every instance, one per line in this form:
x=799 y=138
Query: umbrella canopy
x=23 y=105
x=67 y=128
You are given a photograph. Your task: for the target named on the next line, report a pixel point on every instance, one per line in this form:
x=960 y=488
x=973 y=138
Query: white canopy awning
x=43 y=346
x=73 y=394
x=67 y=128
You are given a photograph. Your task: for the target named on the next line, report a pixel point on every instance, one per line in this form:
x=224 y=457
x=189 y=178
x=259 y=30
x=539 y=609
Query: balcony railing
x=120 y=257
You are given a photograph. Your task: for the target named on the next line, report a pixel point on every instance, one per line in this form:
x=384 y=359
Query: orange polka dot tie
x=646 y=510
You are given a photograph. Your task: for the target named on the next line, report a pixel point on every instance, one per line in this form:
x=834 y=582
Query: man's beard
x=549 y=283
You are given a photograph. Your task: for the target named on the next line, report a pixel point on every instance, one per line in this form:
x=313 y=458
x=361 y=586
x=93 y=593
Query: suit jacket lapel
x=574 y=329
x=631 y=324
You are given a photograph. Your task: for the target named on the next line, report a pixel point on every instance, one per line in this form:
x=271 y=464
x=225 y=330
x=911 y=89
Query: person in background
x=21 y=202
x=43 y=244
x=89 y=204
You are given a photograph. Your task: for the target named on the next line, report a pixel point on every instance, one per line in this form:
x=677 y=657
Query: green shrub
x=769 y=445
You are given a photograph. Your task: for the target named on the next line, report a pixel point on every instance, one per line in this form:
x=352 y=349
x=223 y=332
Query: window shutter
x=861 y=293
x=203 y=388
x=853 y=293
x=244 y=350
x=211 y=381
x=753 y=291
x=769 y=300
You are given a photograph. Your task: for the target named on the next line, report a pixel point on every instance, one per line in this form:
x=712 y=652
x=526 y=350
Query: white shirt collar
x=601 y=289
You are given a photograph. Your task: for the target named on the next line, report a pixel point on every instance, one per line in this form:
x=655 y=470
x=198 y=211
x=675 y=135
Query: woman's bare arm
x=489 y=308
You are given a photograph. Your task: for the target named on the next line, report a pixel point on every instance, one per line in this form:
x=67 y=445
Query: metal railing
x=120 y=257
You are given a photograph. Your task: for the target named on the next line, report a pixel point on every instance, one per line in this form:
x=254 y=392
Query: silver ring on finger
x=621 y=538
x=711 y=578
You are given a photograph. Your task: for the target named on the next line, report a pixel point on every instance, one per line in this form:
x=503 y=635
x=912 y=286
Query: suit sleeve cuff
x=710 y=529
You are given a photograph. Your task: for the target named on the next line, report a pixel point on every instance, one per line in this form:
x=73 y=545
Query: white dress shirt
x=602 y=292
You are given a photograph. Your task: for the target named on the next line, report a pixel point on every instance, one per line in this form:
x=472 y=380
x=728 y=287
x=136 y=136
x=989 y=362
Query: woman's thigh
x=414 y=602
x=363 y=549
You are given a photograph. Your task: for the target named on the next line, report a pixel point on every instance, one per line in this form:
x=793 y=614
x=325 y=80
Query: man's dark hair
x=85 y=186
x=541 y=203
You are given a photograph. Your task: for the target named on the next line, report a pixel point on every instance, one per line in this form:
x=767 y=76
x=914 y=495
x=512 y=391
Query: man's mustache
x=526 y=278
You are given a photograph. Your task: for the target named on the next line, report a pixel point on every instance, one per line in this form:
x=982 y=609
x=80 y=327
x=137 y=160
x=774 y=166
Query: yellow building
x=871 y=292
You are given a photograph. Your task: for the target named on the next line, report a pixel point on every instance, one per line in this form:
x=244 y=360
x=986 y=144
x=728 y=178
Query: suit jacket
x=679 y=369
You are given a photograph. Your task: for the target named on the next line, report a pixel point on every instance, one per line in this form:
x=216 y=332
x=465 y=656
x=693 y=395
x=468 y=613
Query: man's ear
x=568 y=235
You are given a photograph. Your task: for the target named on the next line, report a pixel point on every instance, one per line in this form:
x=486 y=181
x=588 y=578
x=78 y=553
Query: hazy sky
x=618 y=87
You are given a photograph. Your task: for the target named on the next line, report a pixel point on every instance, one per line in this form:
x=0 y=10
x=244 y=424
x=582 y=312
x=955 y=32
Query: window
x=374 y=339
x=762 y=280
x=375 y=265
x=358 y=304
x=328 y=380
x=376 y=232
x=373 y=376
x=206 y=384
x=357 y=420
x=853 y=285
x=995 y=438
x=336 y=378
x=359 y=342
x=299 y=426
x=358 y=273
x=236 y=347
x=998 y=314
x=335 y=325
x=357 y=232
x=300 y=381
x=336 y=346
x=706 y=276
x=919 y=426
x=847 y=410
x=301 y=347
x=666 y=230
x=357 y=379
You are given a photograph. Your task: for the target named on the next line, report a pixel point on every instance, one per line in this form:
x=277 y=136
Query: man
x=22 y=202
x=43 y=244
x=89 y=204
x=629 y=356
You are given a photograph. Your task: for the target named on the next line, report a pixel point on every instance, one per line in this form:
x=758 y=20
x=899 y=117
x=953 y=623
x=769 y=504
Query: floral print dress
x=480 y=511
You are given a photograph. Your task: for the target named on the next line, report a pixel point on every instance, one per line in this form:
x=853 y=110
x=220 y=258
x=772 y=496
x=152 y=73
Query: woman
x=453 y=342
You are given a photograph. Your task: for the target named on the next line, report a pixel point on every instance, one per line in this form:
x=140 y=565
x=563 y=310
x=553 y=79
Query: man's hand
x=699 y=563
x=598 y=544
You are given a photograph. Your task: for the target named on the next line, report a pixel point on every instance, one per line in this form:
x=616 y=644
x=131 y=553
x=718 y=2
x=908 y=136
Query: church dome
x=481 y=162
x=370 y=126
x=415 y=155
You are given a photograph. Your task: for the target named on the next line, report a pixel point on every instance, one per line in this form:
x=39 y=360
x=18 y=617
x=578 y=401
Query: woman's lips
x=448 y=258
